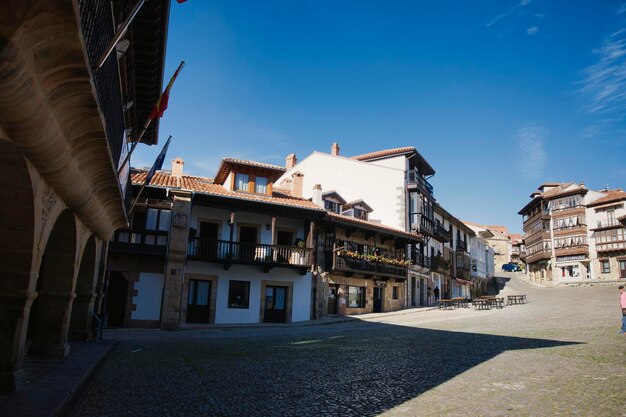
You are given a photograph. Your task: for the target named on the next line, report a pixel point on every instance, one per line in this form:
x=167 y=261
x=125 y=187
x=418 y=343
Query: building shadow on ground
x=350 y=369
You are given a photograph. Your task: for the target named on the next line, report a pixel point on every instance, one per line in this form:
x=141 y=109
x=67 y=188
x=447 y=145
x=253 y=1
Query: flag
x=181 y=1
x=161 y=104
x=158 y=163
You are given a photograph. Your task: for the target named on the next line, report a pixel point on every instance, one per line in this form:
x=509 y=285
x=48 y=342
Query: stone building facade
x=62 y=137
x=574 y=234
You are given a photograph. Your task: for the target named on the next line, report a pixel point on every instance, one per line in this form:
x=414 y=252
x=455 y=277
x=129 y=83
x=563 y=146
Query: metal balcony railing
x=96 y=20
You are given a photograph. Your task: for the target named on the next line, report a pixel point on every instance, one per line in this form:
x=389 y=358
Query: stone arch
x=17 y=225
x=85 y=289
x=50 y=313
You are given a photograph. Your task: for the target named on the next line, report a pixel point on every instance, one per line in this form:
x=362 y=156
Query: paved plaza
x=560 y=354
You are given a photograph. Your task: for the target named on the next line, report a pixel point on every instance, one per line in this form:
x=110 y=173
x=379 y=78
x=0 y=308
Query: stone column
x=51 y=334
x=14 y=313
x=83 y=306
x=175 y=262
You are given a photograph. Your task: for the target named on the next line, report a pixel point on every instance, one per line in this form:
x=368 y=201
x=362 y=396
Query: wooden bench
x=482 y=304
x=516 y=299
x=445 y=304
x=460 y=302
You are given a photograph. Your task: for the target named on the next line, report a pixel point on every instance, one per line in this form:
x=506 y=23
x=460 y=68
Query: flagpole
x=134 y=145
x=119 y=34
x=145 y=126
x=145 y=182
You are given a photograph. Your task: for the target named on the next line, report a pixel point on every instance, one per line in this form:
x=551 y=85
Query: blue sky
x=472 y=85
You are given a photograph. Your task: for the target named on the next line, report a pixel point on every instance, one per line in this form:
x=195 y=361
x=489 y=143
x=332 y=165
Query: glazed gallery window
x=241 y=182
x=606 y=266
x=356 y=297
x=238 y=294
x=333 y=206
x=158 y=220
x=260 y=185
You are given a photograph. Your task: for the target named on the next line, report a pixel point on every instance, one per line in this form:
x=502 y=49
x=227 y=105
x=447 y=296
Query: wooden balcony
x=571 y=230
x=415 y=180
x=611 y=246
x=606 y=224
x=441 y=233
x=144 y=243
x=582 y=249
x=439 y=264
x=532 y=219
x=350 y=265
x=538 y=256
x=462 y=273
x=267 y=256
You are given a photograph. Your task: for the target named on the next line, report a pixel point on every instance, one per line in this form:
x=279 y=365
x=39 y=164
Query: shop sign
x=571 y=258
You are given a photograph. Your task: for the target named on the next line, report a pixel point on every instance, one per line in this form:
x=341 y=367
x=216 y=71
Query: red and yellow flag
x=161 y=105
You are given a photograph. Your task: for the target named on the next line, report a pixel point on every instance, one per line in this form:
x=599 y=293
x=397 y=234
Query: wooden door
x=333 y=298
x=207 y=243
x=247 y=242
x=275 y=304
x=198 y=301
x=622 y=268
x=378 y=299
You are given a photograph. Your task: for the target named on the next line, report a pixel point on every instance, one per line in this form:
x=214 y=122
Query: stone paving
x=560 y=354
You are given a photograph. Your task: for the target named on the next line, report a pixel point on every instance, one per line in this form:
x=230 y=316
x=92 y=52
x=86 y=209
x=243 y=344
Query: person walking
x=622 y=303
x=436 y=292
x=429 y=296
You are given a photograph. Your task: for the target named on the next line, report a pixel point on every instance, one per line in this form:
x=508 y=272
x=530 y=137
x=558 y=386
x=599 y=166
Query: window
x=606 y=266
x=158 y=219
x=356 y=297
x=239 y=294
x=332 y=206
x=394 y=292
x=360 y=214
x=241 y=182
x=260 y=185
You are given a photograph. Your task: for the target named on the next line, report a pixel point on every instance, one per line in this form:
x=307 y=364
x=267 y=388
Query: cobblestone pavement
x=560 y=354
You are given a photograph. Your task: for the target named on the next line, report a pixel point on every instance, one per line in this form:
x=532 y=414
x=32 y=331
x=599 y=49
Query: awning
x=464 y=282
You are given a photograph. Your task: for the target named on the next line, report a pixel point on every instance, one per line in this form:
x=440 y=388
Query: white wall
x=301 y=309
x=148 y=299
x=478 y=246
x=200 y=213
x=381 y=187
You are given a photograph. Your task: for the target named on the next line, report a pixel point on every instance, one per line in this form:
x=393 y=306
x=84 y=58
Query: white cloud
x=512 y=10
x=532 y=30
x=531 y=149
x=604 y=83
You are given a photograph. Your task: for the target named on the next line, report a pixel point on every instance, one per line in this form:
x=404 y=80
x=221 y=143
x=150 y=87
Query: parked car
x=511 y=267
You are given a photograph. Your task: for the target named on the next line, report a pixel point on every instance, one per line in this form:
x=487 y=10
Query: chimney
x=297 y=179
x=317 y=195
x=291 y=161
x=177 y=169
x=582 y=183
x=334 y=150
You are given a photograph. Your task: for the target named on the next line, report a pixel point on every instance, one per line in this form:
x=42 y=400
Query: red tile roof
x=611 y=196
x=374 y=225
x=228 y=163
x=206 y=186
x=563 y=190
x=255 y=164
x=386 y=152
